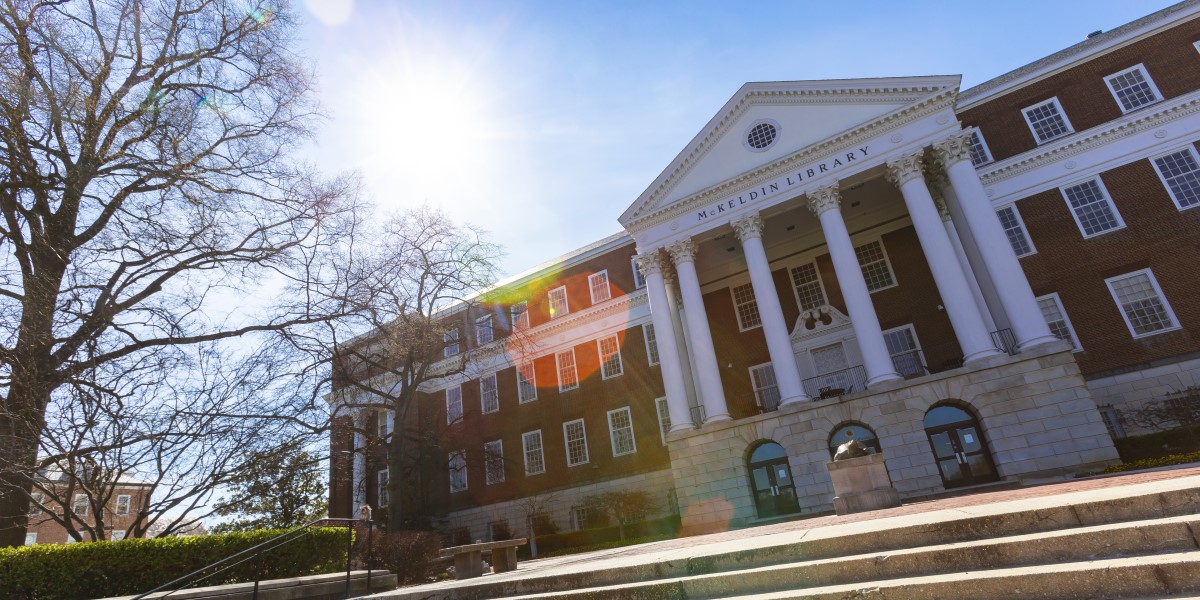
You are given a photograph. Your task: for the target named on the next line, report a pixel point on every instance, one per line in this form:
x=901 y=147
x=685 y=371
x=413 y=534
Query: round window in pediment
x=761 y=135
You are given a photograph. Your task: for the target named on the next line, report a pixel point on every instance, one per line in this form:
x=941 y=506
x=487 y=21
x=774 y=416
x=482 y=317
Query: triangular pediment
x=802 y=113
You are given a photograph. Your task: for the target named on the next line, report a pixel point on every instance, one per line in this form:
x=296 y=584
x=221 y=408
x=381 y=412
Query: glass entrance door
x=958 y=447
x=771 y=481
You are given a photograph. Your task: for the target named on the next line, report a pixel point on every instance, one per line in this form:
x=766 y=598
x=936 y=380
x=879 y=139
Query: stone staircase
x=1121 y=546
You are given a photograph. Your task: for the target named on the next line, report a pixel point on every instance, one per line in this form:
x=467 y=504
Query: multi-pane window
x=558 y=302
x=568 y=377
x=747 y=307
x=1093 y=210
x=384 y=421
x=531 y=444
x=651 y=343
x=1056 y=318
x=118 y=536
x=458 y=471
x=980 y=155
x=519 y=315
x=610 y=357
x=1047 y=120
x=454 y=407
x=579 y=518
x=30 y=539
x=35 y=508
x=766 y=389
x=875 y=267
x=493 y=462
x=807 y=283
x=526 y=383
x=123 y=502
x=1133 y=88
x=905 y=352
x=381 y=482
x=1142 y=303
x=576 y=437
x=483 y=331
x=620 y=430
x=450 y=342
x=639 y=280
x=1180 y=172
x=664 y=418
x=80 y=505
x=1014 y=228
x=598 y=284
x=489 y=397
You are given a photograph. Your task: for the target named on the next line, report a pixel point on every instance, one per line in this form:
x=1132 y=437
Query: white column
x=683 y=345
x=664 y=334
x=973 y=336
x=961 y=253
x=359 y=452
x=708 y=372
x=1029 y=327
x=779 y=343
x=824 y=202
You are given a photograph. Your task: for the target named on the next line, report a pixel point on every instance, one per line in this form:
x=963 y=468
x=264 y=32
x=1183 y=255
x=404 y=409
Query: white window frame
x=916 y=342
x=1061 y=112
x=820 y=282
x=560 y=292
x=128 y=500
x=605 y=288
x=31 y=538
x=1021 y=224
x=493 y=457
x=526 y=383
x=76 y=503
x=35 y=500
x=1076 y=346
x=526 y=449
x=754 y=383
x=381 y=487
x=484 y=324
x=651 y=338
x=1190 y=149
x=612 y=431
x=616 y=342
x=518 y=316
x=384 y=422
x=664 y=418
x=452 y=340
x=579 y=517
x=558 y=364
x=1062 y=191
x=1108 y=80
x=567 y=442
x=639 y=280
x=753 y=300
x=977 y=135
x=483 y=394
x=118 y=535
x=460 y=455
x=1161 y=298
x=450 y=419
x=887 y=261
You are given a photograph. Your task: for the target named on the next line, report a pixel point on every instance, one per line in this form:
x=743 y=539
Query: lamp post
x=364 y=514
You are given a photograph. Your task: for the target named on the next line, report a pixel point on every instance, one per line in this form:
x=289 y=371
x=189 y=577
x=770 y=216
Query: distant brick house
x=120 y=502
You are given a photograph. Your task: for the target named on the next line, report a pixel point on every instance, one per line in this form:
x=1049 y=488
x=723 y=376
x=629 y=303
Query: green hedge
x=1182 y=440
x=127 y=567
x=557 y=543
x=1151 y=463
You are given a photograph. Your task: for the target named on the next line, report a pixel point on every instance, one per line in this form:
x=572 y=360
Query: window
x=483 y=331
x=905 y=351
x=806 y=281
x=568 y=378
x=36 y=499
x=30 y=539
x=489 y=399
x=526 y=383
x=875 y=266
x=123 y=503
x=458 y=471
x=1091 y=207
x=766 y=389
x=1047 y=120
x=664 y=418
x=450 y=341
x=598 y=284
x=1133 y=88
x=1142 y=303
x=639 y=280
x=1180 y=172
x=620 y=430
x=519 y=313
x=80 y=506
x=1056 y=318
x=493 y=465
x=651 y=343
x=980 y=155
x=853 y=431
x=579 y=518
x=381 y=484
x=385 y=421
x=558 y=302
x=531 y=444
x=454 y=407
x=118 y=536
x=747 y=307
x=576 y=437
x=610 y=357
x=1014 y=228
x=498 y=530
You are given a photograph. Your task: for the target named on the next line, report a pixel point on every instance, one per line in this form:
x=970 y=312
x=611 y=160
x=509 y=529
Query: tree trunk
x=18 y=457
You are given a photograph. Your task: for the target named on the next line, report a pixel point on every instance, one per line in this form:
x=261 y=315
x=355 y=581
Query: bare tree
x=533 y=511
x=146 y=197
x=625 y=506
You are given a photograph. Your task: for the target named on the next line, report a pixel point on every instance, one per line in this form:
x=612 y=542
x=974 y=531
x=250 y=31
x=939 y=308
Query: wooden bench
x=468 y=559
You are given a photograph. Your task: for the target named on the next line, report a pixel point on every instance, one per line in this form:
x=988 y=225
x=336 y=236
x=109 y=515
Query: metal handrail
x=837 y=383
x=255 y=553
x=1005 y=340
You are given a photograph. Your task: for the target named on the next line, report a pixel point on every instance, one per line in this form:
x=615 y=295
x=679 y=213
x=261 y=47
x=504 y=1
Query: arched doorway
x=958 y=447
x=771 y=481
x=857 y=431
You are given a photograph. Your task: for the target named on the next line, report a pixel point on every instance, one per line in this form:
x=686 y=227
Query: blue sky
x=542 y=121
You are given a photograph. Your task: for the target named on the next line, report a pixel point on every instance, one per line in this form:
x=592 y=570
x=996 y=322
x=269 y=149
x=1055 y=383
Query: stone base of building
x=862 y=484
x=1142 y=401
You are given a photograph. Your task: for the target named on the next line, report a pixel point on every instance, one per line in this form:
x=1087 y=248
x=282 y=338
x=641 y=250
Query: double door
x=961 y=454
x=774 y=490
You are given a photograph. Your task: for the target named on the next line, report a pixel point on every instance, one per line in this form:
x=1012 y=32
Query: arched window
x=847 y=431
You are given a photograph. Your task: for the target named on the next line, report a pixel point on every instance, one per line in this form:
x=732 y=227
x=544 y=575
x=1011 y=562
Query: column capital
x=682 y=251
x=905 y=169
x=649 y=262
x=748 y=227
x=953 y=149
x=824 y=198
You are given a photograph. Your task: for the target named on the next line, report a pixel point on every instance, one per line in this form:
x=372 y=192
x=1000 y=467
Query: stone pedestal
x=862 y=484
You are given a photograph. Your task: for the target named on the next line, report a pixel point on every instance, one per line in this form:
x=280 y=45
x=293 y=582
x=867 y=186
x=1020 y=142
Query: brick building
x=121 y=503
x=983 y=285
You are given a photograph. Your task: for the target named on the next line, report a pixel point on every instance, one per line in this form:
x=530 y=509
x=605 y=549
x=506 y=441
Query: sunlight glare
x=330 y=12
